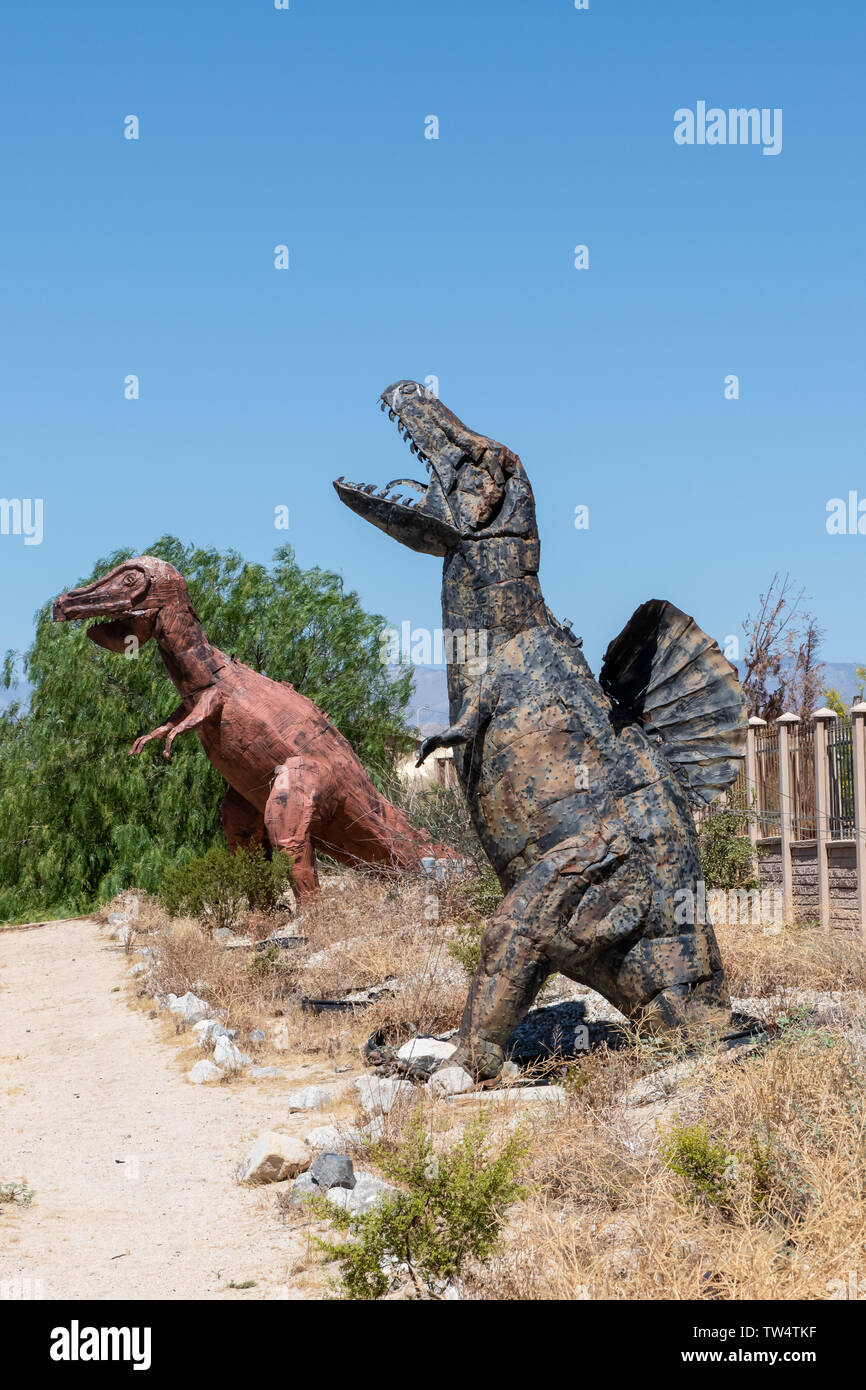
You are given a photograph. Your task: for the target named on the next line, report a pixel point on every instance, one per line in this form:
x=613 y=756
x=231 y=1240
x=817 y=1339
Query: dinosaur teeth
x=392 y=415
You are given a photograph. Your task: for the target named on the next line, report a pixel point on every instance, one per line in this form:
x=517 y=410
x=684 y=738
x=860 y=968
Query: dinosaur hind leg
x=242 y=823
x=526 y=940
x=289 y=816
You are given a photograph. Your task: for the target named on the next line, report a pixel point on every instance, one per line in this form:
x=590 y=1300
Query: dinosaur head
x=129 y=598
x=475 y=487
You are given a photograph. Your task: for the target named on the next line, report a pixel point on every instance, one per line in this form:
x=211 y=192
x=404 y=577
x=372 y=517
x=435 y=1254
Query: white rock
x=209 y=1029
x=280 y=1037
x=204 y=1071
x=368 y=1192
x=450 y=1081
x=189 y=1007
x=274 y=1157
x=310 y=1098
x=426 y=1047
x=138 y=969
x=225 y=1054
x=520 y=1095
x=381 y=1093
x=333 y=1139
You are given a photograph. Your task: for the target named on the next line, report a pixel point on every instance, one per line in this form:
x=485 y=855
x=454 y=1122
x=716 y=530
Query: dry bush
x=188 y=959
x=798 y=958
x=609 y=1219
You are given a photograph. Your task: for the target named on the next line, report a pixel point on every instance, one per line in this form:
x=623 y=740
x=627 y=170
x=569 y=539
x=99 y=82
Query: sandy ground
x=132 y=1166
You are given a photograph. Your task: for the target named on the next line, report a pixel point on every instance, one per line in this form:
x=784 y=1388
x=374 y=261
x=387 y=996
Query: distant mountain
x=428 y=708
x=839 y=675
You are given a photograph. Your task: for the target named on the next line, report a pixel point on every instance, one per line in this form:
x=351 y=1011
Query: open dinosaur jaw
x=411 y=525
x=422 y=525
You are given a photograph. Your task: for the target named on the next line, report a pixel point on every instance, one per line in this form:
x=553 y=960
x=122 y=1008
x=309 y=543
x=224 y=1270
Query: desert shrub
x=452 y=1209
x=708 y=1166
x=217 y=886
x=727 y=857
x=17 y=1193
x=466 y=947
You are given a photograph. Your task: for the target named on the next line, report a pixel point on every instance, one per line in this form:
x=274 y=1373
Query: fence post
x=821 y=718
x=752 y=775
x=786 y=817
x=858 y=749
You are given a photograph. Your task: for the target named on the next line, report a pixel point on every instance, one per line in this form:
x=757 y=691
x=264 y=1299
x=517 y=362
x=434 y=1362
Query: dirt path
x=85 y=1081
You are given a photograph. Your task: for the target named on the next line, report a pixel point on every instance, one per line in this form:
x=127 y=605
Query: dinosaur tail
x=667 y=673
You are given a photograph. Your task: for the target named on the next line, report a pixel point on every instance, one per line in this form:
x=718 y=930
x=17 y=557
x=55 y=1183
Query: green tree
x=81 y=819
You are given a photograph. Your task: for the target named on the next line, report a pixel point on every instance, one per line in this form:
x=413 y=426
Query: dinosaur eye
x=129 y=579
x=408 y=388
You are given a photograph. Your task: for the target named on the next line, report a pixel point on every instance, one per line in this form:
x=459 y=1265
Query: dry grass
x=607 y=1217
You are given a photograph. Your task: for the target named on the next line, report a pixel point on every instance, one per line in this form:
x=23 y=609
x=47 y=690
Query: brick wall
x=843 y=879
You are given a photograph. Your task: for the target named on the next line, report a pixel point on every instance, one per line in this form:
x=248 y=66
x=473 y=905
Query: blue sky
x=451 y=257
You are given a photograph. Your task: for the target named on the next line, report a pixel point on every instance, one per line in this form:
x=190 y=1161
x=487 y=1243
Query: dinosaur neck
x=187 y=655
x=490 y=592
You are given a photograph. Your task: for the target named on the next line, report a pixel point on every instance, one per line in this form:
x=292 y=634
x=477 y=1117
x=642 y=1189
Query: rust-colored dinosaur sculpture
x=579 y=790
x=294 y=782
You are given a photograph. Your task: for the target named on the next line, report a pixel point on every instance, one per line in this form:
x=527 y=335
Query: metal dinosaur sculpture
x=295 y=785
x=579 y=790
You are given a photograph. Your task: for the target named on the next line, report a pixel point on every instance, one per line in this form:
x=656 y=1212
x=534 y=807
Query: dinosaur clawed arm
x=173 y=719
x=475 y=711
x=180 y=721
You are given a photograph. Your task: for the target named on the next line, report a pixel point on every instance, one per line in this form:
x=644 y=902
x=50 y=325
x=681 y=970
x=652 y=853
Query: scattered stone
x=305 y=1186
x=238 y=943
x=225 y=1054
x=381 y=1093
x=138 y=969
x=450 y=1081
x=256 y=1035
x=375 y=1129
x=332 y=1138
x=510 y=1072
x=145 y=951
x=117 y=919
x=222 y=934
x=280 y=1037
x=333 y=1170
x=274 y=1157
x=367 y=1193
x=203 y=1071
x=188 y=1007
x=259 y=1073
x=209 y=1029
x=309 y=1098
x=423 y=1047
x=511 y=1095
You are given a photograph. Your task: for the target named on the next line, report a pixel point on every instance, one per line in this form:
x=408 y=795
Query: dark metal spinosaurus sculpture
x=295 y=785
x=579 y=790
